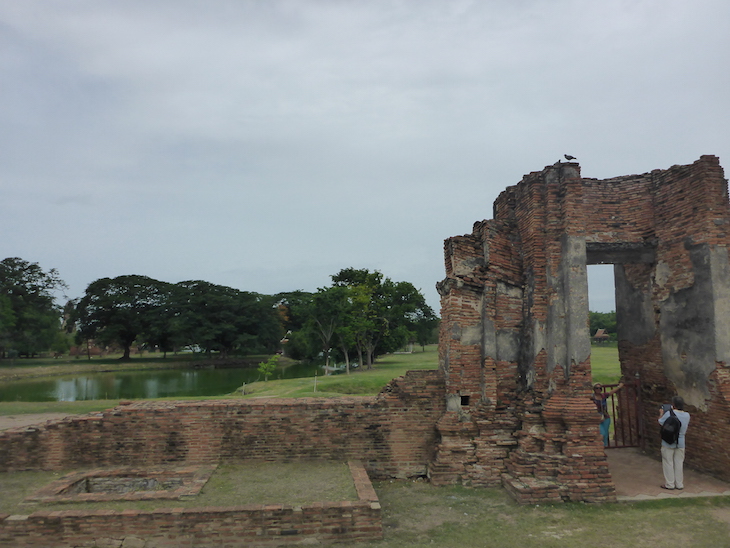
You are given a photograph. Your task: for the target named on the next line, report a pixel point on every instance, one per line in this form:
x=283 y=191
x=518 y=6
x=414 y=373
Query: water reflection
x=140 y=384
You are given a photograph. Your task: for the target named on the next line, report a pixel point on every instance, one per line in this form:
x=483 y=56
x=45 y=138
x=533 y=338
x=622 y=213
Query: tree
x=61 y=344
x=29 y=316
x=325 y=316
x=345 y=332
x=361 y=320
x=7 y=323
x=293 y=310
x=292 y=307
x=388 y=313
x=223 y=319
x=118 y=310
x=162 y=327
x=268 y=367
x=425 y=327
x=370 y=325
x=409 y=308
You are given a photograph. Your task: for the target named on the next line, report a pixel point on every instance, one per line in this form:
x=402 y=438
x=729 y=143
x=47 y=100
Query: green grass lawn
x=361 y=382
x=416 y=514
x=69 y=407
x=605 y=367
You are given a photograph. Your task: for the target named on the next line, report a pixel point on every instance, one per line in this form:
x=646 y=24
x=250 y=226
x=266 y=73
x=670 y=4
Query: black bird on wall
x=569 y=157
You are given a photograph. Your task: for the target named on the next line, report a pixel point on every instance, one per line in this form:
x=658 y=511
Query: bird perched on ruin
x=569 y=157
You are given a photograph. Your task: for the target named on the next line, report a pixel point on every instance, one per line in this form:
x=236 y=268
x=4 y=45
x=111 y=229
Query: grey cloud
x=273 y=143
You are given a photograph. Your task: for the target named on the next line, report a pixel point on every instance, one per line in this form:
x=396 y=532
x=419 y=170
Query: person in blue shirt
x=673 y=454
x=599 y=398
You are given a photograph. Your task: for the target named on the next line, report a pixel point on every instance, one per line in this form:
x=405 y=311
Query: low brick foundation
x=249 y=526
x=126 y=484
x=393 y=434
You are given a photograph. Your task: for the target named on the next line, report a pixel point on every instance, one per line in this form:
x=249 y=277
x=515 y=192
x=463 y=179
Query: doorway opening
x=621 y=402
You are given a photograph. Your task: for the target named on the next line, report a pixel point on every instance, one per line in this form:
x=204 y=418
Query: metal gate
x=626 y=418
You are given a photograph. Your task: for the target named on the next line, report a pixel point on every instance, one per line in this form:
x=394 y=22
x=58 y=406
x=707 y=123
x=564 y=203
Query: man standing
x=673 y=453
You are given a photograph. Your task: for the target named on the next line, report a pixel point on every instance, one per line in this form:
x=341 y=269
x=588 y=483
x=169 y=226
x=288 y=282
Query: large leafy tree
x=223 y=319
x=293 y=308
x=118 y=310
x=425 y=324
x=408 y=309
x=196 y=313
x=7 y=322
x=387 y=314
x=162 y=327
x=370 y=325
x=29 y=317
x=327 y=316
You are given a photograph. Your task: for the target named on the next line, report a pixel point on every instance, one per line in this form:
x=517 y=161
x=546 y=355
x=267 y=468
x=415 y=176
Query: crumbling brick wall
x=393 y=433
x=515 y=346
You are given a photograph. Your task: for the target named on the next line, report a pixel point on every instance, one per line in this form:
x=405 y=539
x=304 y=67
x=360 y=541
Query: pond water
x=142 y=384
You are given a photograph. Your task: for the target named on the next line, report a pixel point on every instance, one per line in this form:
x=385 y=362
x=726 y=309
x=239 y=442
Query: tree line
x=138 y=310
x=603 y=320
x=360 y=316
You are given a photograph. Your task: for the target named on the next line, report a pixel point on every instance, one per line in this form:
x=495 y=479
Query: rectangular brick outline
x=285 y=533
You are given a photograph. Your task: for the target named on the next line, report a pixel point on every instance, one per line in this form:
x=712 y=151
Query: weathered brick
x=505 y=296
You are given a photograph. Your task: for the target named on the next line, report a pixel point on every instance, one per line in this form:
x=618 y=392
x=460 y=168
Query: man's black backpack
x=670 y=428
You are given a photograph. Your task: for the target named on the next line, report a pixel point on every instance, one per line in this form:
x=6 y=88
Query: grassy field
x=605 y=367
x=416 y=514
x=69 y=407
x=305 y=482
x=360 y=382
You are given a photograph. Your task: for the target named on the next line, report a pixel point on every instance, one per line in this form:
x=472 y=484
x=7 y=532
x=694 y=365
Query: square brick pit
x=125 y=483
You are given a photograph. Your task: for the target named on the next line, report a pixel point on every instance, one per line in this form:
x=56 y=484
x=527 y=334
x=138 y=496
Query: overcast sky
x=265 y=145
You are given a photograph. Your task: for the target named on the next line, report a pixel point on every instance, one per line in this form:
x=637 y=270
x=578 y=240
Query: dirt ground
x=14 y=421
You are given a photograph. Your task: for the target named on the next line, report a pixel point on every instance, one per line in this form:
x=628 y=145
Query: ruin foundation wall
x=393 y=433
x=250 y=526
x=389 y=435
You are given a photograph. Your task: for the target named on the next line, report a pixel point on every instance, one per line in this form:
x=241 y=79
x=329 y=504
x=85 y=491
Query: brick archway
x=514 y=338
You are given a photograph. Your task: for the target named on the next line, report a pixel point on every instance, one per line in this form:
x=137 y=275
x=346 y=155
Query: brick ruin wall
x=514 y=342
x=674 y=322
x=391 y=434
